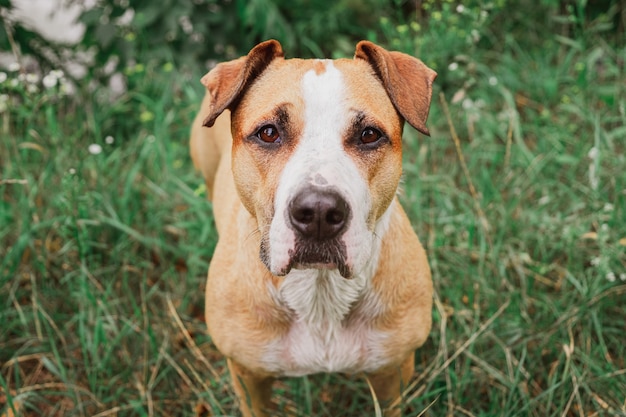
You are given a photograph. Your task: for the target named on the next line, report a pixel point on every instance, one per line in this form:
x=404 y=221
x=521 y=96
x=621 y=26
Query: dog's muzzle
x=318 y=217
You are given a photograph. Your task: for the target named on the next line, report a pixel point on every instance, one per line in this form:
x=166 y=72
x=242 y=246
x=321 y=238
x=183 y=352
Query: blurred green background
x=519 y=197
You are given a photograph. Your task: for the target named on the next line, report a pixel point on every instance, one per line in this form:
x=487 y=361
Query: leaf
x=105 y=34
x=8 y=412
x=91 y=16
x=589 y=236
x=569 y=42
x=33 y=146
x=146 y=17
x=567 y=159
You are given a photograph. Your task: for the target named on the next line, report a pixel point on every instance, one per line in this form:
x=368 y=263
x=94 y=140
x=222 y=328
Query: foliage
x=519 y=197
x=190 y=32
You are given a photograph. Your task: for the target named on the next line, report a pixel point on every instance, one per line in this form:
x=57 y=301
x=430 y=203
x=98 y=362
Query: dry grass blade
x=472 y=339
x=509 y=143
x=378 y=412
x=197 y=354
x=114 y=411
x=428 y=407
x=190 y=342
x=457 y=144
x=483 y=327
x=14 y=181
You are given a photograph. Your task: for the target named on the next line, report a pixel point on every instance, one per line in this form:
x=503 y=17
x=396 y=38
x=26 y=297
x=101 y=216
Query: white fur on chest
x=324 y=337
x=332 y=327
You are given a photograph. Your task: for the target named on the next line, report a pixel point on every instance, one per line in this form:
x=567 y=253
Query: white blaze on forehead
x=325 y=111
x=320 y=155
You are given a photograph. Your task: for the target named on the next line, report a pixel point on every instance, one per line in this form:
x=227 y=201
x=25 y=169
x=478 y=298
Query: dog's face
x=316 y=163
x=317 y=149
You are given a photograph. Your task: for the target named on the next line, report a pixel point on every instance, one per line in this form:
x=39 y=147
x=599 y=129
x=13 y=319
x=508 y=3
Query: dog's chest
x=331 y=331
x=307 y=350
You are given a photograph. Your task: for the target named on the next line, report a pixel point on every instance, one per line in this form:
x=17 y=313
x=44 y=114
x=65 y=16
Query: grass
x=519 y=196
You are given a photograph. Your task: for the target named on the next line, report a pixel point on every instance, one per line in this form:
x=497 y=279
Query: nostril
x=335 y=217
x=305 y=215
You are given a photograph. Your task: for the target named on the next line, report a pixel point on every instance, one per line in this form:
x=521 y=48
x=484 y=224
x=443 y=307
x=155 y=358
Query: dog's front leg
x=253 y=390
x=389 y=383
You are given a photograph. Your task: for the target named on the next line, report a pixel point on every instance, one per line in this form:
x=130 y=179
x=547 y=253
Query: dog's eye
x=269 y=134
x=370 y=135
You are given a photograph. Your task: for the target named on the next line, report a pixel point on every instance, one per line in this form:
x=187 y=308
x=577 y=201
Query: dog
x=317 y=268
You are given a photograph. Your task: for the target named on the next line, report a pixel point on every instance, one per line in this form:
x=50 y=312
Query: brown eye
x=269 y=134
x=370 y=135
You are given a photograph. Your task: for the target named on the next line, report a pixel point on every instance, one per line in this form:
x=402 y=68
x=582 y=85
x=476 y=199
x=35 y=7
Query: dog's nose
x=318 y=214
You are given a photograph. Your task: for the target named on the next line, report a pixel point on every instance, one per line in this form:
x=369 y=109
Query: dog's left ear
x=228 y=80
x=408 y=81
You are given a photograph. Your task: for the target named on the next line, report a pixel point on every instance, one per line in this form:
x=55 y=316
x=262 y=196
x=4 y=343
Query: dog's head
x=317 y=148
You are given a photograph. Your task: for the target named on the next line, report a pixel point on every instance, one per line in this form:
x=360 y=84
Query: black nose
x=318 y=214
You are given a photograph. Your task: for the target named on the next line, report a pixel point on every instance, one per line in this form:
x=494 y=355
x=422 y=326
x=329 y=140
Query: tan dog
x=317 y=268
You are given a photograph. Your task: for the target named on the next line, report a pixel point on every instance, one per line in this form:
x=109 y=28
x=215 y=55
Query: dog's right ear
x=228 y=80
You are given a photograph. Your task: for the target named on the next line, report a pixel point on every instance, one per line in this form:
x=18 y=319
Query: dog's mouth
x=312 y=254
x=320 y=255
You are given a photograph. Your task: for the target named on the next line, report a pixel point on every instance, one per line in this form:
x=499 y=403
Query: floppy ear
x=408 y=81
x=228 y=80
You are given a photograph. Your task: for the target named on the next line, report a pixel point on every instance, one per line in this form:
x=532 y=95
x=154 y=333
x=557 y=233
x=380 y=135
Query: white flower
x=185 y=24
x=449 y=229
x=593 y=153
x=453 y=66
x=95 y=149
x=622 y=277
x=468 y=103
x=3 y=77
x=14 y=66
x=109 y=140
x=610 y=277
x=72 y=171
x=596 y=261
x=493 y=80
x=49 y=81
x=57 y=74
x=475 y=35
x=32 y=78
x=608 y=207
x=460 y=8
x=544 y=200
x=66 y=87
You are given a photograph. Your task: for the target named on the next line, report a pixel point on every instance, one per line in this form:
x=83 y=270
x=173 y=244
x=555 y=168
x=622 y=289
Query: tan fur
x=242 y=316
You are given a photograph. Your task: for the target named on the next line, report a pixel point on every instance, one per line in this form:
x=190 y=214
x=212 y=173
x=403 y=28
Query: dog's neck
x=320 y=296
x=323 y=298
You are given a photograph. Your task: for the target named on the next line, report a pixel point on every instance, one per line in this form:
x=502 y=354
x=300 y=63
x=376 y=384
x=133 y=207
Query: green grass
x=103 y=257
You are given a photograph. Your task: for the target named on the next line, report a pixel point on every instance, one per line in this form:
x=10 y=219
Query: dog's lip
x=315 y=265
x=344 y=270
x=308 y=254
